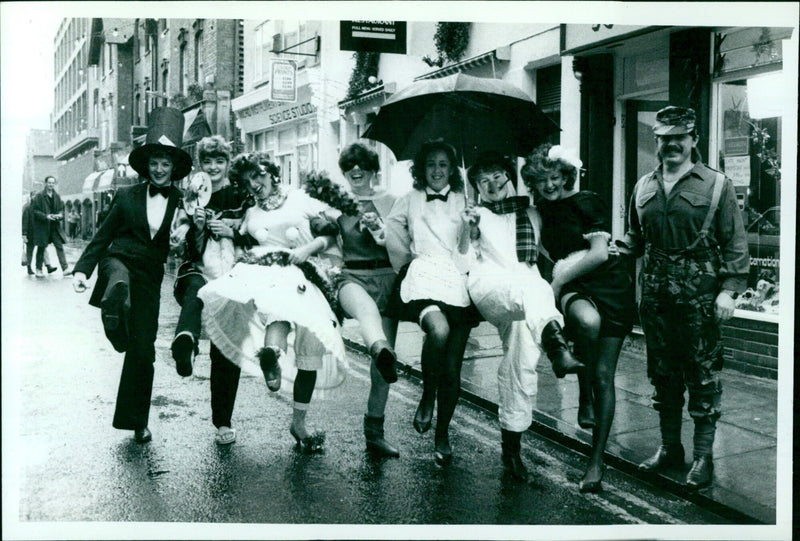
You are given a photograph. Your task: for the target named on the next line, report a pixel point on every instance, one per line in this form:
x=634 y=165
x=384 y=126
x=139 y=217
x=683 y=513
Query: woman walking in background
x=593 y=288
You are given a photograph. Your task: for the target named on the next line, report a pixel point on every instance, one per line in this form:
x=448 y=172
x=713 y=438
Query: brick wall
x=752 y=347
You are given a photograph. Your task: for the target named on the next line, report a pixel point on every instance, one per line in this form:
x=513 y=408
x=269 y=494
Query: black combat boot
x=512 y=461
x=701 y=472
x=555 y=345
x=666 y=456
x=373 y=431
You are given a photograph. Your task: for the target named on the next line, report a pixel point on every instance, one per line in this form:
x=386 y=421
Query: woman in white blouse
x=423 y=232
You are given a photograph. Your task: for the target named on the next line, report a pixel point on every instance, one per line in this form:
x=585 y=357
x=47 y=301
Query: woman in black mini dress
x=593 y=287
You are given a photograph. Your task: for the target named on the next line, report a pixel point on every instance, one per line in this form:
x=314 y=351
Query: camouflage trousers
x=684 y=346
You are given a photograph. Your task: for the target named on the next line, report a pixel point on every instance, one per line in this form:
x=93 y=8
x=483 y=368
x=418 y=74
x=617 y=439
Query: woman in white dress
x=423 y=232
x=285 y=282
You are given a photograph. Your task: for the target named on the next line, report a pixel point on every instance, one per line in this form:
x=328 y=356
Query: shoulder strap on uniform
x=719 y=183
x=636 y=194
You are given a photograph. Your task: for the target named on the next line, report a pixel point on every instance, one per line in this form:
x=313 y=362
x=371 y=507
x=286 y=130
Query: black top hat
x=165 y=134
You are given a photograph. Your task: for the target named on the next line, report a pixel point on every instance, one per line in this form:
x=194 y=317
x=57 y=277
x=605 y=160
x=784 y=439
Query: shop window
x=548 y=96
x=749 y=152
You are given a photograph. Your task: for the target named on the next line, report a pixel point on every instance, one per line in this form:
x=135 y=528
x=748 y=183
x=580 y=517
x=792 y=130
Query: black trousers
x=62 y=259
x=136 y=381
x=190 y=318
x=224 y=384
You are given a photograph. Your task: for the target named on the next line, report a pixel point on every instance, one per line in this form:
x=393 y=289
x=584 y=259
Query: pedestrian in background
x=593 y=288
x=130 y=249
x=211 y=241
x=72 y=221
x=423 y=232
x=48 y=213
x=27 y=239
x=685 y=220
x=283 y=283
x=505 y=285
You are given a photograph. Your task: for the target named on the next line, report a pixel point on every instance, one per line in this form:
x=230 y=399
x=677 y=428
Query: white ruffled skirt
x=239 y=305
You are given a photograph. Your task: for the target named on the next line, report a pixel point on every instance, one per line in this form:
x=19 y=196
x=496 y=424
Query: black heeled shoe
x=442 y=453
x=268 y=359
x=423 y=417
x=309 y=445
x=592 y=486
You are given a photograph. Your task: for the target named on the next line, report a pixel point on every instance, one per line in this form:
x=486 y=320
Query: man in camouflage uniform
x=695 y=264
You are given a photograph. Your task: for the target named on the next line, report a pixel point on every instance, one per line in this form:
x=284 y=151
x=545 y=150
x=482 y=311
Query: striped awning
x=105 y=180
x=377 y=93
x=464 y=65
x=88 y=183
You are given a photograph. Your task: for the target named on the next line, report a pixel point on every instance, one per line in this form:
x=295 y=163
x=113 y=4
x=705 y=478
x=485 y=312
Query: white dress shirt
x=156 y=210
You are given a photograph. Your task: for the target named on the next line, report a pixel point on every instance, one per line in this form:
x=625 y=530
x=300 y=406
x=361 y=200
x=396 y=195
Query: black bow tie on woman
x=526 y=237
x=159 y=190
x=432 y=196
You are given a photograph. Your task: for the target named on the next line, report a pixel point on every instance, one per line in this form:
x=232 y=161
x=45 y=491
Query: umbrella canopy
x=471 y=113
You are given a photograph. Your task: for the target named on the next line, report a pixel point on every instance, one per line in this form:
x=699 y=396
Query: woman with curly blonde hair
x=593 y=287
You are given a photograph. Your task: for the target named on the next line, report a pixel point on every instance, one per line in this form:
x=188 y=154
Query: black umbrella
x=473 y=114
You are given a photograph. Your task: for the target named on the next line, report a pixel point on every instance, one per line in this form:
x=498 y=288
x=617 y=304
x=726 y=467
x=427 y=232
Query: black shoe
x=442 y=453
x=512 y=461
x=112 y=311
x=142 y=435
x=373 y=431
x=268 y=358
x=423 y=416
x=183 y=353
x=384 y=357
x=665 y=457
x=555 y=345
x=309 y=445
x=51 y=269
x=701 y=472
x=30 y=271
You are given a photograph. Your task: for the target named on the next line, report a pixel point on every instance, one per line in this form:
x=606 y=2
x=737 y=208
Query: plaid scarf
x=526 y=238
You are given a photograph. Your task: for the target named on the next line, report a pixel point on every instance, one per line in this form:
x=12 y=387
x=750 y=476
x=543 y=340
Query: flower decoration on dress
x=319 y=186
x=292 y=235
x=564 y=155
x=275 y=199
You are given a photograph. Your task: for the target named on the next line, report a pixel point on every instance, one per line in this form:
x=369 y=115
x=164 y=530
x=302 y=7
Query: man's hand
x=724 y=306
x=79 y=282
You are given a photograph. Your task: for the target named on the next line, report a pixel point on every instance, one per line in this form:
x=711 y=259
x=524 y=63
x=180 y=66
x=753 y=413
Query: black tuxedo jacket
x=125 y=235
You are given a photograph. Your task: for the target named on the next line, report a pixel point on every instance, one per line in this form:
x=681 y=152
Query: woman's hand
x=220 y=228
x=79 y=282
x=199 y=217
x=470 y=220
x=302 y=253
x=371 y=221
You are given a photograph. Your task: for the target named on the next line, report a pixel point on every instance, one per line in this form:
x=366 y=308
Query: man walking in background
x=48 y=212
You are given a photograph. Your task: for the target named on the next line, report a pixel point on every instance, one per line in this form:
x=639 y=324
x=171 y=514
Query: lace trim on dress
x=591 y=234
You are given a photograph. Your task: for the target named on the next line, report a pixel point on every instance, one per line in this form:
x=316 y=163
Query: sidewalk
x=744 y=451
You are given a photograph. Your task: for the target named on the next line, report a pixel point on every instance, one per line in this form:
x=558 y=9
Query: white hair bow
x=562 y=154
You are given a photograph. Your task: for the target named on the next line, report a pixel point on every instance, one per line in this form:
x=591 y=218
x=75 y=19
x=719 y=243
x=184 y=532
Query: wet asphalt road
x=71 y=465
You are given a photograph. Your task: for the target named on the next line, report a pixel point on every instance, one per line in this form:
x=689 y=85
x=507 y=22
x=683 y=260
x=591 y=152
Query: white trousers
x=516 y=375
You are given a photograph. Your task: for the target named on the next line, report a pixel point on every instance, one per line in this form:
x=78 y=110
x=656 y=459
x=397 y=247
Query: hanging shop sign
x=373 y=36
x=283 y=80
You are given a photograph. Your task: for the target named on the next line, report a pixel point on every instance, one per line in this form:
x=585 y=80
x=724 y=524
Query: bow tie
x=159 y=190
x=432 y=196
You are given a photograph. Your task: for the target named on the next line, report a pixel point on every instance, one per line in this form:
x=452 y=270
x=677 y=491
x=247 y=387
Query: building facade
x=39 y=160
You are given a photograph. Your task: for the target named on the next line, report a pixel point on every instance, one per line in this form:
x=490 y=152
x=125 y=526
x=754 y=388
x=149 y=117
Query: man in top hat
x=130 y=249
x=48 y=213
x=685 y=219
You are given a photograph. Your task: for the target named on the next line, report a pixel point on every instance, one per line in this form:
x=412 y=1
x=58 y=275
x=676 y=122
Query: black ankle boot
x=373 y=431
x=555 y=345
x=512 y=461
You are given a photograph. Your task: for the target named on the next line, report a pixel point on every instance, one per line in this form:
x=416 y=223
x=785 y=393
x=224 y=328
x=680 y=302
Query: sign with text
x=737 y=168
x=283 y=80
x=373 y=36
x=285 y=114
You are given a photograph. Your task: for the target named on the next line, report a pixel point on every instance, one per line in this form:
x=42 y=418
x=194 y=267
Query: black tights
x=304 y=384
x=596 y=383
x=442 y=356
